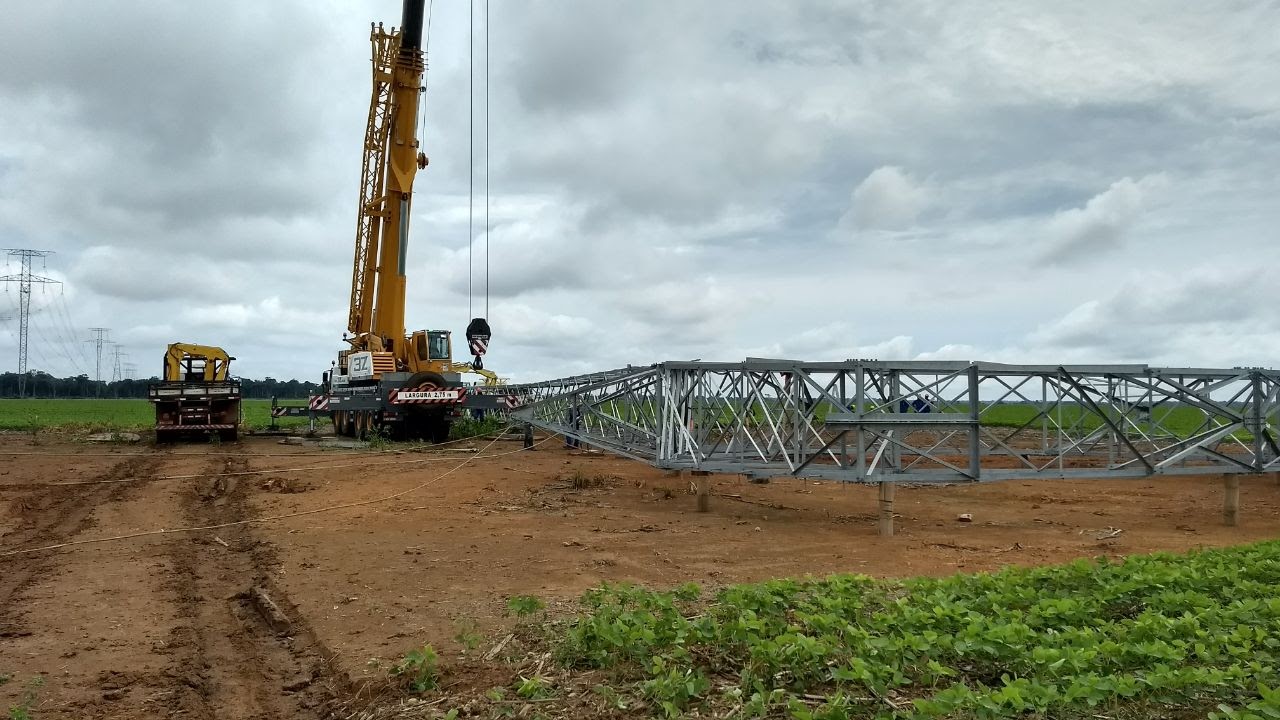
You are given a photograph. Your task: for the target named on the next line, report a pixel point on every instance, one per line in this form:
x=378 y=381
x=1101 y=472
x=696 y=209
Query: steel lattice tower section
x=25 y=280
x=117 y=367
x=99 y=339
x=874 y=421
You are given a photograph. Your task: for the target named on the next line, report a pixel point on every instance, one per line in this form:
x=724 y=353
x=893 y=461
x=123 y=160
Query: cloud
x=1180 y=319
x=1074 y=234
x=1074 y=183
x=888 y=199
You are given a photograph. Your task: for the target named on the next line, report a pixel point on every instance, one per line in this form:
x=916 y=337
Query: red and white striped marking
x=479 y=345
x=223 y=426
x=512 y=401
x=318 y=402
x=427 y=395
x=278 y=411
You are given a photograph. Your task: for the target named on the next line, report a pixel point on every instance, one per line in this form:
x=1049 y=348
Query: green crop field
x=1181 y=421
x=1154 y=636
x=110 y=414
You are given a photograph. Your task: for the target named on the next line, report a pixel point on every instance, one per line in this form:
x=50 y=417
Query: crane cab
x=430 y=350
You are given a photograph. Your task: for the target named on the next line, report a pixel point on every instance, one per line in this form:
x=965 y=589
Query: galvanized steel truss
x=872 y=421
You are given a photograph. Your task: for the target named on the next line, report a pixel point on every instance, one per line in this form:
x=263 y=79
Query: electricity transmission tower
x=130 y=371
x=25 y=280
x=99 y=339
x=117 y=368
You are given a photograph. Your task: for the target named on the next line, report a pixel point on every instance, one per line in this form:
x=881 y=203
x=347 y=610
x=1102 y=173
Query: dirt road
x=167 y=624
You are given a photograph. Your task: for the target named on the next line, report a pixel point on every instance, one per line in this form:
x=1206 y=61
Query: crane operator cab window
x=433 y=345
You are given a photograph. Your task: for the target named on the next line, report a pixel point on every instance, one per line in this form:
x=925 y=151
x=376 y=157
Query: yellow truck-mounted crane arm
x=372 y=183
x=182 y=361
x=391 y=160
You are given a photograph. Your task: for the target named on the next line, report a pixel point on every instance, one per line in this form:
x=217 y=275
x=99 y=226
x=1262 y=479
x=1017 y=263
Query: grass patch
x=1150 y=636
x=467 y=427
x=103 y=415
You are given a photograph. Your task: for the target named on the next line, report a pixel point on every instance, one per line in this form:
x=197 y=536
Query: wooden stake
x=702 y=479
x=886 y=509
x=1231 y=501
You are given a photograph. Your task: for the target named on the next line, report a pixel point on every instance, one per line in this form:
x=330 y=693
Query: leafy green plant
x=467 y=636
x=673 y=686
x=533 y=688
x=1266 y=707
x=1157 y=631
x=524 y=605
x=420 y=668
x=22 y=711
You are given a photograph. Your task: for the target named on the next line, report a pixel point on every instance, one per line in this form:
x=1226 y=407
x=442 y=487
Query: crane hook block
x=478 y=338
x=422 y=161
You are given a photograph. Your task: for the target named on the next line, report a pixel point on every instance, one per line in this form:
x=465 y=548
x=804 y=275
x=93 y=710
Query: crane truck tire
x=428 y=422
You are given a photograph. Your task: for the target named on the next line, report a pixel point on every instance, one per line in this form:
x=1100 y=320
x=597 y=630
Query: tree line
x=44 y=385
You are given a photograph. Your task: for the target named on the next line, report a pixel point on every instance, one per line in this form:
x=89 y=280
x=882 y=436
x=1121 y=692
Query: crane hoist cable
x=471 y=156
x=487 y=226
x=426 y=66
x=478 y=332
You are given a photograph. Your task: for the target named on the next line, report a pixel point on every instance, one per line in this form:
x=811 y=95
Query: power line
x=69 y=325
x=65 y=342
x=25 y=280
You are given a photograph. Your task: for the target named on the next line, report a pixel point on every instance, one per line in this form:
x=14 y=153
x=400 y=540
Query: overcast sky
x=1006 y=181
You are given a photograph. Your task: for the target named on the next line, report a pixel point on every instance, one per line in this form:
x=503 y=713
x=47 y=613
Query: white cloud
x=1074 y=235
x=888 y=199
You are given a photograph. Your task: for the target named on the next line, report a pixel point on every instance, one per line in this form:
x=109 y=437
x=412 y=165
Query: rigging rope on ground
x=250 y=521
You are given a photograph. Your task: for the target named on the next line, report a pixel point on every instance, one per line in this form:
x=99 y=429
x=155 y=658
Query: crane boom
x=403 y=161
x=372 y=182
x=391 y=160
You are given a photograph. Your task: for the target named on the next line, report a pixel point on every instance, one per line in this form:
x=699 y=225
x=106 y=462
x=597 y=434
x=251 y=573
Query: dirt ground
x=170 y=624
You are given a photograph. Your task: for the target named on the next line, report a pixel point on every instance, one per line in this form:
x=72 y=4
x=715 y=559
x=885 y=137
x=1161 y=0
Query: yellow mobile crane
x=196 y=394
x=404 y=384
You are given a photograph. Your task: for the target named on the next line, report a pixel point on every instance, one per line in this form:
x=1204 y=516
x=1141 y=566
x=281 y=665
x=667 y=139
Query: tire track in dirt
x=53 y=514
x=229 y=663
